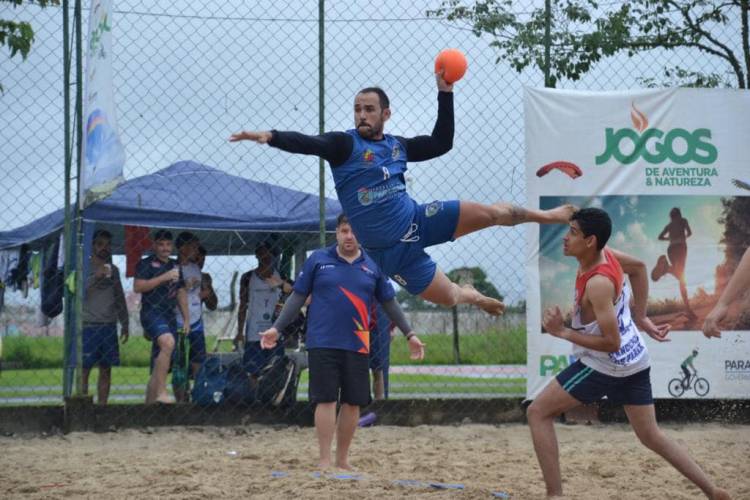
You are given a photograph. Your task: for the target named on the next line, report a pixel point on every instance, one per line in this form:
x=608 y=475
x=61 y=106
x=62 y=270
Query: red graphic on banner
x=568 y=168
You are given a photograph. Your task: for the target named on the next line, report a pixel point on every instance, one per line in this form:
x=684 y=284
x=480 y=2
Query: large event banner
x=672 y=169
x=103 y=156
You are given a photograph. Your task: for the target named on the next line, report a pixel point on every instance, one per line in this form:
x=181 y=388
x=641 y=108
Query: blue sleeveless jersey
x=372 y=191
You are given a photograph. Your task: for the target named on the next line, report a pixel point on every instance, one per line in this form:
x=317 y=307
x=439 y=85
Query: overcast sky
x=188 y=74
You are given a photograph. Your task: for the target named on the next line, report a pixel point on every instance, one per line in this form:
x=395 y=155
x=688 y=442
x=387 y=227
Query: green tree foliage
x=18 y=36
x=477 y=278
x=582 y=32
x=736 y=220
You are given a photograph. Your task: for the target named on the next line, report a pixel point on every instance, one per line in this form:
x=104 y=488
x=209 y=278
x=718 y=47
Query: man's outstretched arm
x=426 y=147
x=334 y=147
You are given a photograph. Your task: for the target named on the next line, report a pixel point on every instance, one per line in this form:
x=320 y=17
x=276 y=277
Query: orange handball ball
x=453 y=62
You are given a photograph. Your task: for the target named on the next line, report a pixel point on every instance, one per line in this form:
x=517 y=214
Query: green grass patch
x=132 y=381
x=505 y=347
x=47 y=352
x=491 y=348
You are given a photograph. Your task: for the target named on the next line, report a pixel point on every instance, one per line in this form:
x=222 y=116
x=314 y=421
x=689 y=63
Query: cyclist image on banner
x=687 y=371
x=689 y=380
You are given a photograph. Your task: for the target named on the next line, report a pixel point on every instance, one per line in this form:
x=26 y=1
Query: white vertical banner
x=103 y=156
x=671 y=168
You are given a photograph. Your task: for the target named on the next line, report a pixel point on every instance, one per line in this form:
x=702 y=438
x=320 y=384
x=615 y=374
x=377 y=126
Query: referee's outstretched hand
x=416 y=348
x=260 y=137
x=268 y=338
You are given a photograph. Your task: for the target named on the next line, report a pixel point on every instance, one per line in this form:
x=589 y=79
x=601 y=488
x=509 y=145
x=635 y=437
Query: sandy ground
x=599 y=462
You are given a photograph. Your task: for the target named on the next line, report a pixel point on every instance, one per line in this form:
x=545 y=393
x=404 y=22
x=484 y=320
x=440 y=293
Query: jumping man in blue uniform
x=368 y=169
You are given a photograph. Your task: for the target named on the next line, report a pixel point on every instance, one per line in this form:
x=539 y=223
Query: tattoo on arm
x=518 y=215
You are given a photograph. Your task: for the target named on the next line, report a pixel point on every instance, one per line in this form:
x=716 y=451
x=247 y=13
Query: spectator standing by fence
x=103 y=306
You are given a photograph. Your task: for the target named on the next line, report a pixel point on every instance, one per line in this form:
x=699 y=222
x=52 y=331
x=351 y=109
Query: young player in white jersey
x=612 y=358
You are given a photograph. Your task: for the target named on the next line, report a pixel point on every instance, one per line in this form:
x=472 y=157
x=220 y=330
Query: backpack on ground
x=278 y=381
x=238 y=391
x=210 y=383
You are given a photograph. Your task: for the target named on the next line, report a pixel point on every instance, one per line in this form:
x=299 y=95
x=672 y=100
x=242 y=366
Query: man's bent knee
x=165 y=342
x=535 y=412
x=650 y=438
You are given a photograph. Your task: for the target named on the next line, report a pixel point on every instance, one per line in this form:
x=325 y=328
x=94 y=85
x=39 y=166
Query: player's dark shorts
x=155 y=324
x=407 y=262
x=255 y=358
x=197 y=339
x=100 y=345
x=338 y=375
x=588 y=385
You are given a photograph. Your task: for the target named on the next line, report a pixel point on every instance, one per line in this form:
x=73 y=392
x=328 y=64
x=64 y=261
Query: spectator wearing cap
x=260 y=289
x=103 y=306
x=157 y=278
x=187 y=256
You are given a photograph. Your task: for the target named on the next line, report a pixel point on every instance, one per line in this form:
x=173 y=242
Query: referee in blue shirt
x=343 y=282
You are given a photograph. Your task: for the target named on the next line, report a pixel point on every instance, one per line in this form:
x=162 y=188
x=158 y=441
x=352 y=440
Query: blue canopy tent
x=229 y=213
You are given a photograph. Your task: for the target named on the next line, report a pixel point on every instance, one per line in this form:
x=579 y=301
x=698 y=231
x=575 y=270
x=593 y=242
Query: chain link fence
x=187 y=75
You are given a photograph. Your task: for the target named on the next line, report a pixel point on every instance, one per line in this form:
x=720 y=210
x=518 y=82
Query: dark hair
x=162 y=234
x=382 y=96
x=596 y=222
x=102 y=233
x=263 y=244
x=202 y=250
x=184 y=238
x=675 y=213
x=342 y=219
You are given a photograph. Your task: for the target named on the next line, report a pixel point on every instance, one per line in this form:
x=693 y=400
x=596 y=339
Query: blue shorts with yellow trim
x=588 y=385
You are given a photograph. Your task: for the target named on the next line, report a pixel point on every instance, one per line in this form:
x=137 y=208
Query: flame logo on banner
x=362 y=329
x=570 y=169
x=640 y=122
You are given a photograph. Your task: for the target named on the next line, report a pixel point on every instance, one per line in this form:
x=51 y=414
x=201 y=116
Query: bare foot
x=560 y=215
x=164 y=398
x=344 y=465
x=325 y=465
x=720 y=494
x=486 y=304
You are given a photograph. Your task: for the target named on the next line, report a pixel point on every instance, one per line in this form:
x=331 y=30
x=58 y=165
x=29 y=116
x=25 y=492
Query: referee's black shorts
x=339 y=375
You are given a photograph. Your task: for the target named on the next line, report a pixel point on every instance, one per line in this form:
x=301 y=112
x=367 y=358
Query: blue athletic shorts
x=197 y=338
x=588 y=385
x=155 y=323
x=100 y=345
x=255 y=357
x=406 y=262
